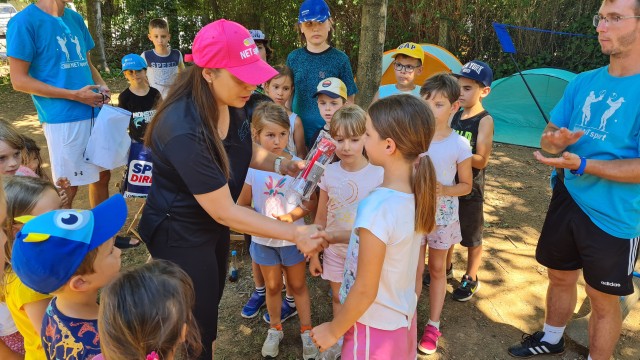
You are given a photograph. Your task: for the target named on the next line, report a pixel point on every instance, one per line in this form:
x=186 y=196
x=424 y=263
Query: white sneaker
x=332 y=353
x=270 y=348
x=309 y=349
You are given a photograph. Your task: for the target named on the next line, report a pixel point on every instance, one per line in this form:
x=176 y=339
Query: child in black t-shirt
x=139 y=97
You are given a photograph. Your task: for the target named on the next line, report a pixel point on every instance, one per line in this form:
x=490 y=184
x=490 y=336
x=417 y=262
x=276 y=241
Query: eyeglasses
x=406 y=68
x=614 y=20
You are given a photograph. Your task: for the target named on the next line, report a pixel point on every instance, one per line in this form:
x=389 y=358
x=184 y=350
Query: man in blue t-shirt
x=48 y=48
x=593 y=221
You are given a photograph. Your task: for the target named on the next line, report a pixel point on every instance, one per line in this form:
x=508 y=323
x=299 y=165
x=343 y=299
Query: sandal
x=124 y=242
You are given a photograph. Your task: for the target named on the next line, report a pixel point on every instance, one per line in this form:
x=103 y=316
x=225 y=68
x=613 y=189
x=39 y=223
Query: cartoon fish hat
x=50 y=247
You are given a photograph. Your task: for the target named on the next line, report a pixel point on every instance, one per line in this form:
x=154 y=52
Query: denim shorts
x=272 y=256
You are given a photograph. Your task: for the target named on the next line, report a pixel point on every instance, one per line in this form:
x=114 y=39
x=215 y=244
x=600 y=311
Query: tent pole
x=528 y=88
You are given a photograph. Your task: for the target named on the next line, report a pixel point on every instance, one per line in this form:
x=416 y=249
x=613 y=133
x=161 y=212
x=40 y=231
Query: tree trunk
x=94 y=19
x=372 y=35
x=108 y=13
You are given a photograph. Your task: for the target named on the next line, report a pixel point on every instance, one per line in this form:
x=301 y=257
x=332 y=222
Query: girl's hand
x=288 y=218
x=323 y=336
x=63 y=183
x=305 y=243
x=315 y=267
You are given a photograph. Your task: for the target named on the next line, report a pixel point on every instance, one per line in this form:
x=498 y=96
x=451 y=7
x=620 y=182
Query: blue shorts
x=272 y=256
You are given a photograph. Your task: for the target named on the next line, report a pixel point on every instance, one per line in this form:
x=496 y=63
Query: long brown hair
x=146 y=309
x=409 y=122
x=192 y=85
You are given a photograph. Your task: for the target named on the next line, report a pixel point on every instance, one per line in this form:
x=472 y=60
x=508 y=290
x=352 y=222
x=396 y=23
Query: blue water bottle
x=233 y=267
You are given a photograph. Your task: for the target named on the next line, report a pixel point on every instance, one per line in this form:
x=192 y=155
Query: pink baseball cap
x=225 y=44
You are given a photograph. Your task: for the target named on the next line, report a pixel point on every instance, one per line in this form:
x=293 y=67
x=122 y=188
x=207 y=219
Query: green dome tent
x=516 y=118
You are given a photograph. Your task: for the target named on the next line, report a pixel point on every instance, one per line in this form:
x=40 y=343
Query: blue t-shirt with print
x=607 y=109
x=57 y=49
x=308 y=69
x=391 y=89
x=67 y=338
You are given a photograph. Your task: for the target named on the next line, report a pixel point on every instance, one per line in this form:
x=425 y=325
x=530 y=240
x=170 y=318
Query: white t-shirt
x=389 y=215
x=7 y=326
x=345 y=190
x=268 y=195
x=291 y=146
x=445 y=155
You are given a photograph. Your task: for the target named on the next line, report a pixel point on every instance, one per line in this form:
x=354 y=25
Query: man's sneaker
x=332 y=353
x=253 y=306
x=466 y=289
x=426 y=278
x=429 y=342
x=286 y=312
x=309 y=349
x=271 y=346
x=532 y=345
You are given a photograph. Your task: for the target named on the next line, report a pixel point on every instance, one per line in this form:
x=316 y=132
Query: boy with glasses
x=407 y=65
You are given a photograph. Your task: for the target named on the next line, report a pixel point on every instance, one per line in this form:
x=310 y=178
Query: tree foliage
x=463 y=27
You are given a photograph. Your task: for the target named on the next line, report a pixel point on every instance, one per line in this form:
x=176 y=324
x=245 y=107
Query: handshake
x=311 y=239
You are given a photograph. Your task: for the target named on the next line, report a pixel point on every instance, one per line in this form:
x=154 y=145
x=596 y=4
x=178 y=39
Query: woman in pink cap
x=201 y=145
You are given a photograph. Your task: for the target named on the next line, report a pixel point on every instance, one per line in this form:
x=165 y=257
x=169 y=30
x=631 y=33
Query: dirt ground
x=511 y=298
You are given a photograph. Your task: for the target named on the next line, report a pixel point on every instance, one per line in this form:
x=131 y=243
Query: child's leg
x=438 y=290
x=450 y=256
x=297 y=284
x=258 y=279
x=335 y=297
x=474 y=259
x=273 y=282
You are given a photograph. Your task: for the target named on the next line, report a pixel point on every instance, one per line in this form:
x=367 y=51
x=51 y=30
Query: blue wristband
x=583 y=164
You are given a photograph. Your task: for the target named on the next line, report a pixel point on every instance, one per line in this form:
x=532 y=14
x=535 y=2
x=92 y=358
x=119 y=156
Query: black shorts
x=471 y=222
x=570 y=241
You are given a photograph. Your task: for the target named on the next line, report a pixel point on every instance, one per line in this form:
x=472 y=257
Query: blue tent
x=516 y=117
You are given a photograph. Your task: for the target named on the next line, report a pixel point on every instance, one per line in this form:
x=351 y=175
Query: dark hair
x=191 y=84
x=283 y=70
x=409 y=122
x=254 y=100
x=267 y=48
x=147 y=309
x=31 y=149
x=158 y=24
x=442 y=83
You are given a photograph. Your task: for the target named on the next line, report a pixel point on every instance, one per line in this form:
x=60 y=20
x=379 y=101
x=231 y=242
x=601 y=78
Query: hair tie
x=153 y=356
x=421 y=155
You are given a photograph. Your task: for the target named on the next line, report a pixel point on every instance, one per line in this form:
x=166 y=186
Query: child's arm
x=484 y=143
x=315 y=267
x=7 y=354
x=35 y=312
x=465 y=180
x=362 y=294
x=321 y=212
x=244 y=199
x=298 y=138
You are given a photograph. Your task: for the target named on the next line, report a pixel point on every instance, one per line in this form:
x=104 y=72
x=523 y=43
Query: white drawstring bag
x=108 y=145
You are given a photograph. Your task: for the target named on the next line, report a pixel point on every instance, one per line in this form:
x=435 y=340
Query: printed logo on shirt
x=597 y=128
x=244 y=130
x=70 y=60
x=142 y=117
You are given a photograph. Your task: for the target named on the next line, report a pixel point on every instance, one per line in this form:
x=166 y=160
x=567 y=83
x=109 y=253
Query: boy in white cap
x=331 y=94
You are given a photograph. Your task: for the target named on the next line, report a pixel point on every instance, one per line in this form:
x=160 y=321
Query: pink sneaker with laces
x=429 y=342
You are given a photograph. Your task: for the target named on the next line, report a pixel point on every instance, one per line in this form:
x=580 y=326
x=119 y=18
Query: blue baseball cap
x=133 y=62
x=478 y=71
x=314 y=10
x=49 y=248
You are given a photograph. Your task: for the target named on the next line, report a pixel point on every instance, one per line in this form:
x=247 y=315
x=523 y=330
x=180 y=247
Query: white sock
x=552 y=334
x=435 y=324
x=589 y=358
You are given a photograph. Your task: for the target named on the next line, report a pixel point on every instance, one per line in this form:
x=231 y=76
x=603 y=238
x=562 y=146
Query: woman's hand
x=306 y=243
x=323 y=336
x=291 y=167
x=315 y=267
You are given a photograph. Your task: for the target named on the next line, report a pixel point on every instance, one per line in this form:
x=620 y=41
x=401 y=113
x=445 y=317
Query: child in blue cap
x=71 y=255
x=316 y=61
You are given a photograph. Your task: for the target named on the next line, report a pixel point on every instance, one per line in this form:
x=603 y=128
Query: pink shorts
x=444 y=236
x=332 y=265
x=363 y=342
x=15 y=342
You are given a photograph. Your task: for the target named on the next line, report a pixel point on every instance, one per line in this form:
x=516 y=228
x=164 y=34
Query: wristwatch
x=580 y=170
x=276 y=165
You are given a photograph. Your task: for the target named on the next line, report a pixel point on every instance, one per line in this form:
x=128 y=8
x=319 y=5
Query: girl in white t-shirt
x=280 y=89
x=266 y=190
x=342 y=186
x=378 y=295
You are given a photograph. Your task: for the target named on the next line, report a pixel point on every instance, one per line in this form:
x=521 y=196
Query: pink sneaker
x=429 y=342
